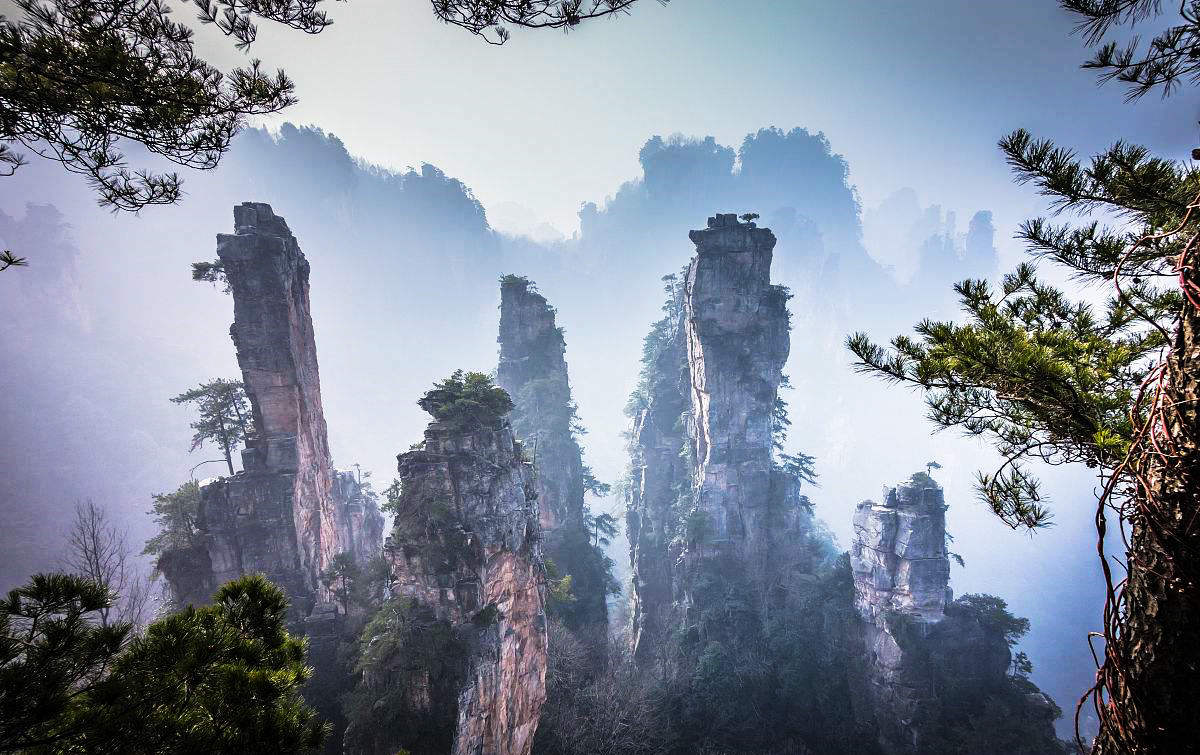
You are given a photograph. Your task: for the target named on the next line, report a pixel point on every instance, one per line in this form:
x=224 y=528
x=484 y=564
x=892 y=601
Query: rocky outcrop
x=899 y=552
x=533 y=370
x=360 y=524
x=705 y=486
x=901 y=577
x=660 y=476
x=736 y=326
x=288 y=512
x=466 y=554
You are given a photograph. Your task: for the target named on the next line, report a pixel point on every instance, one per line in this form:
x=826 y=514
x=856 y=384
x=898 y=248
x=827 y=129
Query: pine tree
x=1115 y=387
x=224 y=415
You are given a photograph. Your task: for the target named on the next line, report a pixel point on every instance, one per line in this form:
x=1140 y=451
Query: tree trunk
x=1155 y=695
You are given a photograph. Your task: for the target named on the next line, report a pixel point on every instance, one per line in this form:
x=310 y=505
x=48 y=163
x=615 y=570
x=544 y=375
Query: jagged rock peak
x=466 y=548
x=533 y=370
x=725 y=233
x=899 y=552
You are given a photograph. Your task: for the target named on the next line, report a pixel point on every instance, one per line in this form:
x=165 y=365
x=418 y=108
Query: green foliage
x=992 y=614
x=603 y=528
x=487 y=18
x=54 y=653
x=225 y=678
x=1169 y=56
x=341 y=578
x=7 y=258
x=580 y=574
x=467 y=401
x=211 y=272
x=657 y=344
x=81 y=75
x=176 y=516
x=224 y=415
x=402 y=649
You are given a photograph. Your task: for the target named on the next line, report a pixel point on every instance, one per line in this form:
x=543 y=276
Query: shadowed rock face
x=659 y=477
x=901 y=576
x=534 y=372
x=467 y=552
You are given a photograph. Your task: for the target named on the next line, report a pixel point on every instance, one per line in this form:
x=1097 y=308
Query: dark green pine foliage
x=1112 y=386
x=467 y=401
x=533 y=370
x=225 y=419
x=225 y=678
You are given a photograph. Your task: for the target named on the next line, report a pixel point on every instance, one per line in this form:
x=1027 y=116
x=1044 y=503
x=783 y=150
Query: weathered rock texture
x=533 y=370
x=901 y=577
x=466 y=553
x=282 y=516
x=736 y=325
x=704 y=484
x=660 y=476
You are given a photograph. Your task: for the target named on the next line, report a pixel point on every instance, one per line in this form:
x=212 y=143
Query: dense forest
x=390 y=468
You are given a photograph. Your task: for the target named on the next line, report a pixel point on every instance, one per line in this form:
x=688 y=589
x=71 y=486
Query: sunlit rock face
x=704 y=488
x=901 y=576
x=736 y=327
x=288 y=513
x=466 y=551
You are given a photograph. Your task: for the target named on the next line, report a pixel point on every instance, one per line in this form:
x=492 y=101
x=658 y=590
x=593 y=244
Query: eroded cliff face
x=466 y=555
x=901 y=585
x=533 y=370
x=660 y=477
x=707 y=498
x=283 y=515
x=736 y=326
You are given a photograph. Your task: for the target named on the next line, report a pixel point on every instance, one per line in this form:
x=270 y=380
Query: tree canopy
x=225 y=678
x=224 y=415
x=467 y=401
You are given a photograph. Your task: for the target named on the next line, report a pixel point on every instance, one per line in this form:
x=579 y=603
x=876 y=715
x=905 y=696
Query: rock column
x=466 y=552
x=901 y=576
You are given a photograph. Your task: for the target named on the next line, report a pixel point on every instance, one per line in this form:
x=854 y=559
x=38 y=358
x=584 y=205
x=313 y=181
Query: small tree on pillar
x=224 y=415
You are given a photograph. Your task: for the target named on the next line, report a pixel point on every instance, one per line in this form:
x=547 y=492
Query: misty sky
x=912 y=93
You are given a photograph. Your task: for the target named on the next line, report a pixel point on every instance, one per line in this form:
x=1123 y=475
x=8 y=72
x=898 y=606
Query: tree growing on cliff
x=467 y=401
x=176 y=515
x=82 y=76
x=1054 y=380
x=224 y=415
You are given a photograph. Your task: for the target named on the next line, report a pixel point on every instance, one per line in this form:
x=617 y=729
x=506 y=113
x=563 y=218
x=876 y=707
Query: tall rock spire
x=283 y=515
x=533 y=370
x=466 y=557
x=736 y=325
x=705 y=486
